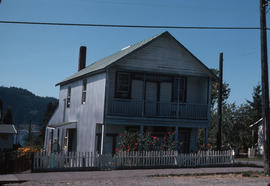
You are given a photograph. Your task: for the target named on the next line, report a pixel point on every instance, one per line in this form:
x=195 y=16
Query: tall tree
x=51 y=107
x=8 y=118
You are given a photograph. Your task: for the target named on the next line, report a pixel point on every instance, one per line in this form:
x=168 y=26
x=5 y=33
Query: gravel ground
x=140 y=177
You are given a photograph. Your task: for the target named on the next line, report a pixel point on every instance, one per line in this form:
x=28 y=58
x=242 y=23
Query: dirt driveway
x=141 y=177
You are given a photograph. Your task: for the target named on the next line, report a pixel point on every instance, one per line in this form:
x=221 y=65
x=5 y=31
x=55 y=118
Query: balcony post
x=178 y=98
x=143 y=93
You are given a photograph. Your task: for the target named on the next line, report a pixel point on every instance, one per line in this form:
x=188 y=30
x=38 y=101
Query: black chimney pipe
x=82 y=58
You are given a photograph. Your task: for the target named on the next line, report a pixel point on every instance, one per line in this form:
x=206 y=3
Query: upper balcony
x=141 y=108
x=146 y=95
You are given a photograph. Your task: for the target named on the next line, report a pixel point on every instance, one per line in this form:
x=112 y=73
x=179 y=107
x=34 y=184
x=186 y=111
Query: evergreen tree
x=51 y=107
x=8 y=118
x=256 y=103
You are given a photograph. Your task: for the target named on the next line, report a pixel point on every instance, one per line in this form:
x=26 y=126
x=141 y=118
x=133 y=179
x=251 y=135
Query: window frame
x=68 y=97
x=122 y=94
x=84 y=91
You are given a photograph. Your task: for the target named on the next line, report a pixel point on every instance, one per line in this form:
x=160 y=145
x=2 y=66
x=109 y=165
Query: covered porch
x=107 y=140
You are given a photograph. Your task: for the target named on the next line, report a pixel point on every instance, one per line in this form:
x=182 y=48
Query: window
x=122 y=85
x=68 y=97
x=84 y=87
x=179 y=90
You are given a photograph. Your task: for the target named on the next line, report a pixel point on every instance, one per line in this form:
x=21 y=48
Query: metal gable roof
x=100 y=65
x=103 y=63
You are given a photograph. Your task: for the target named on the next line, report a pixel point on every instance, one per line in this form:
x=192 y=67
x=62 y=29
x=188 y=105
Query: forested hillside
x=24 y=104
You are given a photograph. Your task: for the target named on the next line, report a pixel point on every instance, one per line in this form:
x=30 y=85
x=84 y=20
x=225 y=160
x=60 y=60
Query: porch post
x=102 y=138
x=176 y=138
x=141 y=129
x=141 y=133
x=206 y=137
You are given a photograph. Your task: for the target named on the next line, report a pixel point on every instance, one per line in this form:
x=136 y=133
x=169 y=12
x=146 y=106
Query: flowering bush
x=133 y=141
x=206 y=147
x=24 y=150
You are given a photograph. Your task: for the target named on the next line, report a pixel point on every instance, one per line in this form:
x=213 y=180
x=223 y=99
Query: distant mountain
x=24 y=104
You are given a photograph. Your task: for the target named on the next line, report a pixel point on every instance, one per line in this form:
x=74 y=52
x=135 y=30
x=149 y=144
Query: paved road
x=139 y=177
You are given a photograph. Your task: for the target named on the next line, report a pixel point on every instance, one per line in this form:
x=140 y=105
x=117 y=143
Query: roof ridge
x=120 y=53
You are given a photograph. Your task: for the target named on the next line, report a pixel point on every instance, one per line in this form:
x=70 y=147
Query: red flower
x=116 y=150
x=169 y=133
x=155 y=137
x=136 y=144
x=203 y=145
x=165 y=137
x=121 y=134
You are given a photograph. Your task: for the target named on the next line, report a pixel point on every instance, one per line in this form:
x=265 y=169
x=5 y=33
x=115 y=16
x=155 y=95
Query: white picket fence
x=137 y=159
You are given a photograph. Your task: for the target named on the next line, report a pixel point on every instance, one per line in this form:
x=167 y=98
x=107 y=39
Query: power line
x=132 y=26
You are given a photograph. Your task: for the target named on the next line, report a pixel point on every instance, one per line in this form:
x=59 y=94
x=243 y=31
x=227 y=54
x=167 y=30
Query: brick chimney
x=82 y=58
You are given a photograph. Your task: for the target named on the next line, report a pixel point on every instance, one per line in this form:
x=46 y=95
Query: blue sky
x=37 y=57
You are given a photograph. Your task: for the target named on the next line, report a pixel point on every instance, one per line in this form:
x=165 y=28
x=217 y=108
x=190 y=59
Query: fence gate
x=106 y=162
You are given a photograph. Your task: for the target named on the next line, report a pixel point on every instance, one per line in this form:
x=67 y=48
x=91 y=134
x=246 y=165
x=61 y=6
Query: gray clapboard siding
x=164 y=55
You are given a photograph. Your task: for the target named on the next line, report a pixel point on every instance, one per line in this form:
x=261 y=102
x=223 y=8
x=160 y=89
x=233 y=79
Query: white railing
x=141 y=108
x=136 y=159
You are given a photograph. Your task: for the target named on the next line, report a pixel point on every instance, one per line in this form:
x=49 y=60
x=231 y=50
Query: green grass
x=244 y=174
x=257 y=158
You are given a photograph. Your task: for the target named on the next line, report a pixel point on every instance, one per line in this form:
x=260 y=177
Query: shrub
x=133 y=141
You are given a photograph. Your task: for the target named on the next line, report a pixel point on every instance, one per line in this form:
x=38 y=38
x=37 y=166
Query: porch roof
x=7 y=129
x=70 y=124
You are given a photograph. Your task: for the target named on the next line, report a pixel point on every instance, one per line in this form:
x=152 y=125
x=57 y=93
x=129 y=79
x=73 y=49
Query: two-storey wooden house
x=156 y=85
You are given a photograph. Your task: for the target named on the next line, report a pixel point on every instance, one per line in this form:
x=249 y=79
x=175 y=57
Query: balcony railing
x=141 y=108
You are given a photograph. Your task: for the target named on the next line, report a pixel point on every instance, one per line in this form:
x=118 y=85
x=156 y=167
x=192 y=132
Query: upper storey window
x=68 y=97
x=122 y=88
x=84 y=87
x=179 y=90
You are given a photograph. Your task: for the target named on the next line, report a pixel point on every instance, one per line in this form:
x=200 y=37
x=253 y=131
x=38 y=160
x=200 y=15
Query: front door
x=72 y=140
x=165 y=98
x=151 y=98
x=184 y=140
x=158 y=98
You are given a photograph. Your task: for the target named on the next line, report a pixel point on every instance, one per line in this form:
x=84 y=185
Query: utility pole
x=220 y=80
x=265 y=86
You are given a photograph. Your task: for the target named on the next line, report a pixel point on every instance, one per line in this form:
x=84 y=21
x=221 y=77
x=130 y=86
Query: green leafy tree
x=214 y=94
x=8 y=119
x=255 y=109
